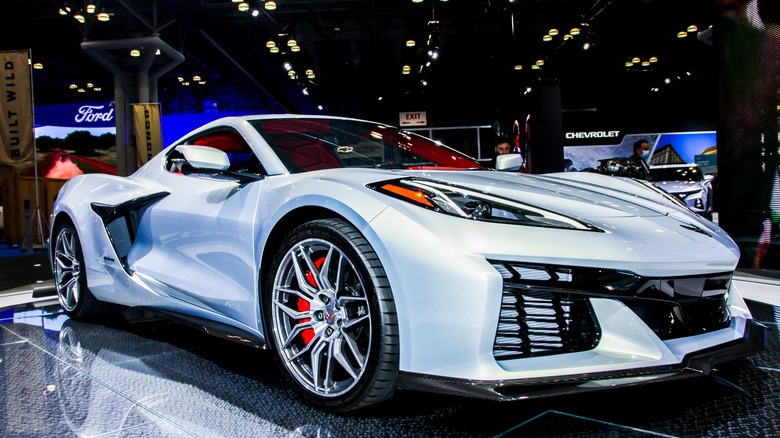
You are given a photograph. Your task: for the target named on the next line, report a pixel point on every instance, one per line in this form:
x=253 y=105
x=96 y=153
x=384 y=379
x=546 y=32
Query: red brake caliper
x=303 y=305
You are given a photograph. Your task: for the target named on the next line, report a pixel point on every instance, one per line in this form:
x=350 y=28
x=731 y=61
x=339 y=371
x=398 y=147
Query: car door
x=201 y=236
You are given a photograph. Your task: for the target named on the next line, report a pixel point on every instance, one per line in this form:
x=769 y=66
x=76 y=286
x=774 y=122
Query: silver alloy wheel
x=67 y=269
x=321 y=317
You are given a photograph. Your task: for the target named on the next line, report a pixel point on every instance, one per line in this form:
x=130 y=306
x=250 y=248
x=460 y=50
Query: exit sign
x=415 y=118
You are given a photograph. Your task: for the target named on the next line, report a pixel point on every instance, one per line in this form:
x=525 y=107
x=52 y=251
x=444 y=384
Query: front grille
x=684 y=195
x=546 y=309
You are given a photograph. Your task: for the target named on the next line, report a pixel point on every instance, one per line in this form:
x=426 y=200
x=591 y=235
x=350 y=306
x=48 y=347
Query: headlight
x=474 y=205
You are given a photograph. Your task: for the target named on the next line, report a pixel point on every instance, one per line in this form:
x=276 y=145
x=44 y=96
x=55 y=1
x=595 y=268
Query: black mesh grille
x=546 y=309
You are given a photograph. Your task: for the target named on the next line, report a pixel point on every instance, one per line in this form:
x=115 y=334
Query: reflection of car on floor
x=370 y=259
x=688 y=183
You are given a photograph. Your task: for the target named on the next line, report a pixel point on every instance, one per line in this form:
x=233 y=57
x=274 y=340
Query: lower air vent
x=541 y=323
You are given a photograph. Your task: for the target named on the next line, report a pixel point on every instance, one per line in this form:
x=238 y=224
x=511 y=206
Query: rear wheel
x=70 y=277
x=332 y=316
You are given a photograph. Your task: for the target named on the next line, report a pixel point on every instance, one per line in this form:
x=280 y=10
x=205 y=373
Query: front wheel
x=70 y=277
x=332 y=316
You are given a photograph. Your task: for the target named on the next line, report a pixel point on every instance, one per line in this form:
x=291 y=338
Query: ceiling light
x=202 y=82
x=38 y=66
x=567 y=37
x=243 y=6
x=274 y=49
x=410 y=43
x=305 y=91
x=540 y=62
x=518 y=66
x=181 y=79
x=90 y=85
x=158 y=52
x=91 y=8
x=547 y=38
x=135 y=53
x=653 y=59
x=73 y=86
x=287 y=66
x=310 y=73
x=575 y=31
x=636 y=60
x=270 y=43
x=667 y=81
x=291 y=42
x=536 y=67
x=629 y=64
x=692 y=28
x=79 y=17
x=406 y=69
x=98 y=89
x=236 y=1
x=64 y=11
x=682 y=34
x=586 y=46
x=196 y=78
x=186 y=83
x=553 y=32
x=417 y=1
x=270 y=5
x=81 y=90
x=255 y=12
x=645 y=63
x=103 y=16
x=295 y=48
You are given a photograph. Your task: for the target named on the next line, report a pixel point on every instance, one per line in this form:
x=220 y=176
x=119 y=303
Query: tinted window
x=313 y=144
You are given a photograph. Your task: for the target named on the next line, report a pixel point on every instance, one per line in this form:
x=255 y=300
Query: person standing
x=641 y=147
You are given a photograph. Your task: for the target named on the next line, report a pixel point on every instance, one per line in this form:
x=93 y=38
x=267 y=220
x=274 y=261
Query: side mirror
x=204 y=157
x=509 y=162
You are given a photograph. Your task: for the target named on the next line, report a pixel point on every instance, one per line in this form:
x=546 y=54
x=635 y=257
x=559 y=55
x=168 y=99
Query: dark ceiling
x=356 y=49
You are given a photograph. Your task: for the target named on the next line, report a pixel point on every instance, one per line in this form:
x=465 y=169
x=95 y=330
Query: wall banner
x=148 y=132
x=17 y=140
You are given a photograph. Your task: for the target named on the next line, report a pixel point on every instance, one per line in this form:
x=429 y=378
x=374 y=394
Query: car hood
x=624 y=208
x=679 y=186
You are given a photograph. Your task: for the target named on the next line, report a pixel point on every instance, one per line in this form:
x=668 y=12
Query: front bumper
x=695 y=364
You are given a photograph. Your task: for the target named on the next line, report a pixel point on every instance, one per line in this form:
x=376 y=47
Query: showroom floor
x=149 y=377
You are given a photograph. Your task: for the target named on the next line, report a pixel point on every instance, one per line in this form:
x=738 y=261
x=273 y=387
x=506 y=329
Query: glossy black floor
x=151 y=377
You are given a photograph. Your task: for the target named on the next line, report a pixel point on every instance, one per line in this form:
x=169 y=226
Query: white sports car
x=686 y=182
x=370 y=259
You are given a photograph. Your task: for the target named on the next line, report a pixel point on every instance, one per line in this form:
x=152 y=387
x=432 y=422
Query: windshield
x=312 y=144
x=689 y=173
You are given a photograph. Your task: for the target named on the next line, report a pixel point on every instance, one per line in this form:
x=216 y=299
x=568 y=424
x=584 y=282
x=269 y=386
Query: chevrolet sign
x=592 y=134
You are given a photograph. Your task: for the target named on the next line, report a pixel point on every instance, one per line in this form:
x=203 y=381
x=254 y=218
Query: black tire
x=331 y=318
x=70 y=277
